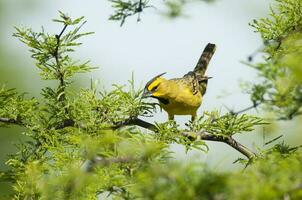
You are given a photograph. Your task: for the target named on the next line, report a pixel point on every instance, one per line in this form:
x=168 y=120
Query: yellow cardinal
x=182 y=96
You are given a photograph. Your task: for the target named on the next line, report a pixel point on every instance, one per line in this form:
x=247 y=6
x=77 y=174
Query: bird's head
x=156 y=87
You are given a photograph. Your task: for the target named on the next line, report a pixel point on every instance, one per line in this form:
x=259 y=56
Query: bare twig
x=139 y=8
x=273 y=140
x=243 y=110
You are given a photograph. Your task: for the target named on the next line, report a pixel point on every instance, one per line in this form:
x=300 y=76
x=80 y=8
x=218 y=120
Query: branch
x=62 y=85
x=221 y=138
x=202 y=136
x=136 y=121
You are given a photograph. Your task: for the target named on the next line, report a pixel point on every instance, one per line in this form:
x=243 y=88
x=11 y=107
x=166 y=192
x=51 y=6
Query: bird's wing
x=189 y=81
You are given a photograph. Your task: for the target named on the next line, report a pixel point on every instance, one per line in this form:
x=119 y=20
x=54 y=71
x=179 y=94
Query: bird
x=182 y=96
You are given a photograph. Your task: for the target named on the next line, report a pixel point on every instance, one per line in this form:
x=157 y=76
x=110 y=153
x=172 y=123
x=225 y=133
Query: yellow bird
x=182 y=96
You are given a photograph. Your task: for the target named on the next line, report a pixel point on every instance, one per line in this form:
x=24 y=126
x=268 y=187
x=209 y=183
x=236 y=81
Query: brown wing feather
x=190 y=80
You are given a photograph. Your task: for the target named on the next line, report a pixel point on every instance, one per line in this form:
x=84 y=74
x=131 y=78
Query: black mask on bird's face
x=152 y=88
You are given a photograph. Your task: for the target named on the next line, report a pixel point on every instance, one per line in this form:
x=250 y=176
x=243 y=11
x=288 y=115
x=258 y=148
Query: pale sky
x=155 y=45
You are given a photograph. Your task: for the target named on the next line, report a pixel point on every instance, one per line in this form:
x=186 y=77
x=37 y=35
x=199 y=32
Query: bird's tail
x=204 y=59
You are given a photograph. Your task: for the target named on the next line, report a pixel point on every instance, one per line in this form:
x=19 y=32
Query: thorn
x=273 y=140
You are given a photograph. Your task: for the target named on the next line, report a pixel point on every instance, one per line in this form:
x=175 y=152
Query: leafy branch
x=214 y=128
x=280 y=89
x=127 y=8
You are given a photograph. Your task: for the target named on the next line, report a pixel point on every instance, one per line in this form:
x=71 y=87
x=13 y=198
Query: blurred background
x=156 y=44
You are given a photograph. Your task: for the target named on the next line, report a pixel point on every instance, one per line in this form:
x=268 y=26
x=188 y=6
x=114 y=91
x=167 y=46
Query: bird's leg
x=171 y=117
x=193 y=117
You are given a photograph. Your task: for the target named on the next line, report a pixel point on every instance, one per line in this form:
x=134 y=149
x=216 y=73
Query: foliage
x=15 y=107
x=227 y=124
x=269 y=177
x=126 y=8
x=65 y=128
x=73 y=148
x=181 y=181
x=281 y=88
x=277 y=175
x=285 y=17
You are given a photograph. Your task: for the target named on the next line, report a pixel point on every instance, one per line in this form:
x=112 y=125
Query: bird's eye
x=154 y=88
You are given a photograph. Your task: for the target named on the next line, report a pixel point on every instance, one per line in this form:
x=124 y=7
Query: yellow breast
x=182 y=101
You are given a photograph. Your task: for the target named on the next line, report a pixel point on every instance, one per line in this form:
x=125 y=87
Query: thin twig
x=139 y=10
x=273 y=140
x=140 y=6
x=62 y=85
x=243 y=110
x=135 y=121
x=61 y=88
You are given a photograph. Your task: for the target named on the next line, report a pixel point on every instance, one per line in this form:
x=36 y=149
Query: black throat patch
x=162 y=100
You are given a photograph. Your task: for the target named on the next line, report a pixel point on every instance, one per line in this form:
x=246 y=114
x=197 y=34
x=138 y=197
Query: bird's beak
x=146 y=94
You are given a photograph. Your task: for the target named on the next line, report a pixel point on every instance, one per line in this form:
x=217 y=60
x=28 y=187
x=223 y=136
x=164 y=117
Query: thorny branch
x=194 y=136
